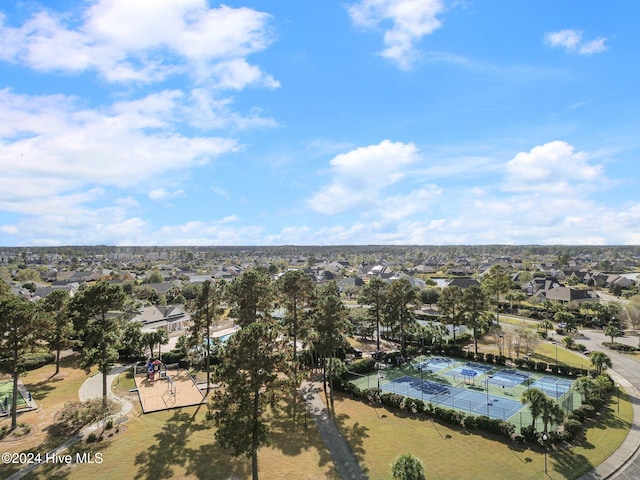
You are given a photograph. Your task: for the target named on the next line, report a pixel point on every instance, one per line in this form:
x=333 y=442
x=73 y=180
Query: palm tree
x=600 y=361
x=162 y=338
x=613 y=331
x=535 y=399
x=407 y=467
x=546 y=325
x=586 y=387
x=551 y=412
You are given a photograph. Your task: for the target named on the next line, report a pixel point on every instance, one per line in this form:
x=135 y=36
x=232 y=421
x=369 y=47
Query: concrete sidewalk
x=624 y=463
x=343 y=458
x=90 y=389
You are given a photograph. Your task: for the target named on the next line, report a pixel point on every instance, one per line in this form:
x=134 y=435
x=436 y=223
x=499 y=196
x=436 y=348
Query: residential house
x=172 y=318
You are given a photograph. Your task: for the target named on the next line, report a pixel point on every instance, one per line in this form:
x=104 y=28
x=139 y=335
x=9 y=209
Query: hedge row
x=572 y=426
x=393 y=401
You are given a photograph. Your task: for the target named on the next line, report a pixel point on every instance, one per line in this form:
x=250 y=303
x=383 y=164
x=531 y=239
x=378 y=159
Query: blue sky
x=186 y=122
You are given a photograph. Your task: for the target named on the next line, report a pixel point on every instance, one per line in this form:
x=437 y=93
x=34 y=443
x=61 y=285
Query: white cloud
x=161 y=194
x=145 y=41
x=53 y=145
x=571 y=41
x=359 y=175
x=411 y=20
x=551 y=168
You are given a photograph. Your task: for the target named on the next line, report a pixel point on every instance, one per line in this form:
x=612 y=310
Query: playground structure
x=162 y=387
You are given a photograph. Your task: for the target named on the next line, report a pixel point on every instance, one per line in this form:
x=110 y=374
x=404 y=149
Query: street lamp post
x=556 y=344
x=501 y=347
x=421 y=384
x=618 y=393
x=486 y=380
x=545 y=437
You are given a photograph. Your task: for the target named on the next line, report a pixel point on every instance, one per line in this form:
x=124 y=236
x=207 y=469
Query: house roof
x=568 y=294
x=463 y=283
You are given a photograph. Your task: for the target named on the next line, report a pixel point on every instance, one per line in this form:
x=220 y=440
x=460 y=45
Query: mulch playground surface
x=162 y=394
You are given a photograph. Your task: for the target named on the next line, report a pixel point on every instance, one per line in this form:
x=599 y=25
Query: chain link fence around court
x=496 y=395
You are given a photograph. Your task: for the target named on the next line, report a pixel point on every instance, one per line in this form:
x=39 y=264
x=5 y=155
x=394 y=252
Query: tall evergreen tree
x=373 y=294
x=297 y=291
x=251 y=297
x=21 y=327
x=248 y=374
x=451 y=306
x=330 y=326
x=400 y=302
x=98 y=321
x=60 y=328
x=497 y=283
x=205 y=313
x=474 y=308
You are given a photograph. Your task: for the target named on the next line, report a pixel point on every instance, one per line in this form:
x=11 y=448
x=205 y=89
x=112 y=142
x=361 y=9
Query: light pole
x=487 y=385
x=501 y=347
x=556 y=344
x=421 y=384
x=545 y=437
x=618 y=393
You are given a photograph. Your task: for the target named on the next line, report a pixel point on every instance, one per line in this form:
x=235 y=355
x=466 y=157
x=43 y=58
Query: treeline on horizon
x=328 y=250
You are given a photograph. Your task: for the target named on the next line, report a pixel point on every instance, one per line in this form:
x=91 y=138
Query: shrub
x=174 y=356
x=587 y=410
x=373 y=395
x=572 y=427
x=531 y=364
x=529 y=433
x=489 y=358
x=36 y=360
x=391 y=400
x=541 y=366
x=519 y=362
x=452 y=417
x=366 y=365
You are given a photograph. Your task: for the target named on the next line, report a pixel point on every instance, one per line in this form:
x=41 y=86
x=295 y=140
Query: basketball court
x=171 y=389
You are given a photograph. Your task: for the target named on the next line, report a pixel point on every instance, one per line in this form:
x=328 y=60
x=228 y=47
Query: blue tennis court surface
x=433 y=364
x=552 y=387
x=468 y=370
x=508 y=378
x=469 y=401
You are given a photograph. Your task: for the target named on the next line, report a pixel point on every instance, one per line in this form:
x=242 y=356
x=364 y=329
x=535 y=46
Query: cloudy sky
x=187 y=122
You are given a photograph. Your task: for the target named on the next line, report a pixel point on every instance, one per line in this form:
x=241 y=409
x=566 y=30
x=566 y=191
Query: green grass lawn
x=169 y=444
x=377 y=436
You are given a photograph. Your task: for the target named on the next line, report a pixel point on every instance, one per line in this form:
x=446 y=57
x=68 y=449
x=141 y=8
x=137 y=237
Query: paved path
x=343 y=458
x=90 y=389
x=624 y=463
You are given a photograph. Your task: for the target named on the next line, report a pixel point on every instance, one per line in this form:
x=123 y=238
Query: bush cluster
x=34 y=360
x=621 y=347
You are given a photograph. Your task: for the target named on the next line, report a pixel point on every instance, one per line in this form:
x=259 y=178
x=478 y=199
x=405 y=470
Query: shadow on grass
x=569 y=464
x=212 y=461
x=40 y=390
x=159 y=459
x=354 y=435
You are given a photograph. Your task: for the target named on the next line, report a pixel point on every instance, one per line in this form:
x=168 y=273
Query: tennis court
x=552 y=386
x=469 y=401
x=508 y=378
x=469 y=370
